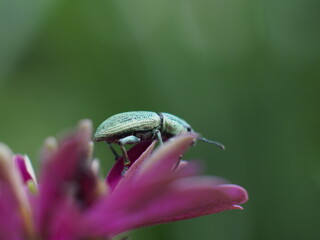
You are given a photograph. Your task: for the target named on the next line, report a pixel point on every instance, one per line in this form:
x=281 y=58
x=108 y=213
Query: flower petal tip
x=5 y=153
x=85 y=124
x=237 y=193
x=24 y=165
x=84 y=129
x=95 y=166
x=50 y=145
x=171 y=150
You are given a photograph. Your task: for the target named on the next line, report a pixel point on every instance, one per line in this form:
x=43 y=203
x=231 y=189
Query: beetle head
x=172 y=125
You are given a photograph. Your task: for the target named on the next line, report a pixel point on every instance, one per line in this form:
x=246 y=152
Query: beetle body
x=134 y=127
x=141 y=124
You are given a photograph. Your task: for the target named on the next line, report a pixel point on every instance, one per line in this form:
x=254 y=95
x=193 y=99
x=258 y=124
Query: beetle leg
x=116 y=155
x=158 y=133
x=127 y=140
x=126 y=160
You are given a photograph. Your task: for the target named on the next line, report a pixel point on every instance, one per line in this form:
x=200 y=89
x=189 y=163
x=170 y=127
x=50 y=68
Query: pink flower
x=72 y=202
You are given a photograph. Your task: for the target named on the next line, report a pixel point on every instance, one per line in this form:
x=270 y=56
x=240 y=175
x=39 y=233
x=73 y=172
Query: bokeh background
x=242 y=72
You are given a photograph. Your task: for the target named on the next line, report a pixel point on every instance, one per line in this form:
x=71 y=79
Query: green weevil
x=136 y=126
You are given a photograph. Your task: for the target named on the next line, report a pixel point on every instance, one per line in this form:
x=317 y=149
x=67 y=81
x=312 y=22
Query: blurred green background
x=242 y=72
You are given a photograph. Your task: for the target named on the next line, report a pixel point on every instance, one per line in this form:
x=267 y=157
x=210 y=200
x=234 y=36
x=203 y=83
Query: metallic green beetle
x=134 y=127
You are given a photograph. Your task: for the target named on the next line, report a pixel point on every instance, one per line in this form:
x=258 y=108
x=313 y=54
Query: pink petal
x=24 y=166
x=144 y=187
x=10 y=221
x=228 y=196
x=131 y=174
x=66 y=175
x=179 y=204
x=65 y=226
x=162 y=192
x=173 y=202
x=131 y=190
x=134 y=153
x=170 y=200
x=166 y=158
x=13 y=200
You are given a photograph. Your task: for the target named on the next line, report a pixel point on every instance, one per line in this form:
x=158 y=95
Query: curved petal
x=15 y=211
x=165 y=159
x=67 y=174
x=11 y=226
x=127 y=180
x=181 y=203
x=161 y=191
x=174 y=200
x=65 y=226
x=134 y=153
x=227 y=198
x=24 y=165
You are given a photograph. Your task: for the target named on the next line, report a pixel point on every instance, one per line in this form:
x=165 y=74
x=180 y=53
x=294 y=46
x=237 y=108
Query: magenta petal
x=14 y=205
x=72 y=203
x=179 y=204
x=66 y=175
x=10 y=220
x=166 y=158
x=230 y=196
x=134 y=153
x=65 y=227
x=161 y=192
x=131 y=175
x=153 y=204
x=19 y=160
x=56 y=174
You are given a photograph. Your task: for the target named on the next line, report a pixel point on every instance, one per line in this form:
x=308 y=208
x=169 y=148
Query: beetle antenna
x=212 y=142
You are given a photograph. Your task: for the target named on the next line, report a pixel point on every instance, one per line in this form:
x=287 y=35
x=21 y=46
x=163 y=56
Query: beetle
x=136 y=126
